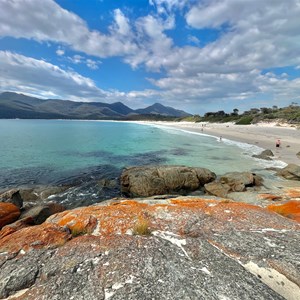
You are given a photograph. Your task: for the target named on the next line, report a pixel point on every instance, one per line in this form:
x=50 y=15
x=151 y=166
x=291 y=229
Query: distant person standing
x=278 y=143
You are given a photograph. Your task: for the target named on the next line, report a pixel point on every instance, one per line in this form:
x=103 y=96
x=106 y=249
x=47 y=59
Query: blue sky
x=197 y=55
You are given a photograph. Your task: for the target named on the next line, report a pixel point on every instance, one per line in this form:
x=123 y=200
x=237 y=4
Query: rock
x=15 y=226
x=266 y=154
x=217 y=189
x=233 y=182
x=291 y=172
x=238 y=181
x=43 y=236
x=298 y=154
x=41 y=193
x=290 y=209
x=41 y=212
x=12 y=196
x=8 y=213
x=159 y=180
x=197 y=249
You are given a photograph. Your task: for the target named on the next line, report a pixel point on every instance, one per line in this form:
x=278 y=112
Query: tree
x=235 y=111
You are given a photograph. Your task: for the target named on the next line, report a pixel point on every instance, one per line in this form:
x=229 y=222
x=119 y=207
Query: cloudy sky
x=196 y=55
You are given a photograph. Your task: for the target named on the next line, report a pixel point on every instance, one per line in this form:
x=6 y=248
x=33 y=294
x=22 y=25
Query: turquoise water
x=35 y=152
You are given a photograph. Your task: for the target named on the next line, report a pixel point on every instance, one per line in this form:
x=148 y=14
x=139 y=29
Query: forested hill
x=14 y=105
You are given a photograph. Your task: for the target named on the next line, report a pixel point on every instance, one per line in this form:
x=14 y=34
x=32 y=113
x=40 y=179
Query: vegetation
x=141 y=227
x=289 y=114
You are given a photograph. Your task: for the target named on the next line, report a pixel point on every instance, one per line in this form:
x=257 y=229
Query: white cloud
x=60 y=52
x=79 y=59
x=253 y=35
x=47 y=21
x=165 y=6
x=193 y=39
x=20 y=72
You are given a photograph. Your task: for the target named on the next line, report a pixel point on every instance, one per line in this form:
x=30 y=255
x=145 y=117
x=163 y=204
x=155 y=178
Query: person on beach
x=278 y=143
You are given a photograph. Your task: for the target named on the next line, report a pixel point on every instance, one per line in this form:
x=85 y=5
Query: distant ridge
x=14 y=105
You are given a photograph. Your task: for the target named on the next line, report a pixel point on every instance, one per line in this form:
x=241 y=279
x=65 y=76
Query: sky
x=194 y=55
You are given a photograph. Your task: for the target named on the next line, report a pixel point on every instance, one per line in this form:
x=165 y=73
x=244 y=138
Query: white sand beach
x=263 y=135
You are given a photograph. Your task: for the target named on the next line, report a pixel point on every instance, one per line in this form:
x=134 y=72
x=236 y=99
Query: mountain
x=13 y=105
x=159 y=109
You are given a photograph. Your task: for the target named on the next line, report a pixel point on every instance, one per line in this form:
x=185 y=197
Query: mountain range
x=14 y=105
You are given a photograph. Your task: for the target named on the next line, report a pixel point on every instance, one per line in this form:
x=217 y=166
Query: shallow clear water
x=35 y=152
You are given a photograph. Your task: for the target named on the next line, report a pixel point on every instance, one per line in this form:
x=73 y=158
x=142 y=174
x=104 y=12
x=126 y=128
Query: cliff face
x=183 y=248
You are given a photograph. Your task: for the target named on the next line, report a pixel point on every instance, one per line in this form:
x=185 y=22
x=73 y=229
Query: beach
x=263 y=135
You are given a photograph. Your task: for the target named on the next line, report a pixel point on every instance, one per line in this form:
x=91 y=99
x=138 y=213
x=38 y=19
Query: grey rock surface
x=291 y=172
x=12 y=196
x=158 y=180
x=40 y=213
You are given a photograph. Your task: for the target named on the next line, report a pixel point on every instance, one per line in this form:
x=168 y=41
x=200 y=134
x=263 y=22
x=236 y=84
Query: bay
x=82 y=153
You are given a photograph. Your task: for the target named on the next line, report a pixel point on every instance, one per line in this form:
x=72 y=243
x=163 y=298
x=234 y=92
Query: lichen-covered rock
x=40 y=213
x=35 y=237
x=290 y=209
x=159 y=180
x=8 y=213
x=195 y=249
x=291 y=172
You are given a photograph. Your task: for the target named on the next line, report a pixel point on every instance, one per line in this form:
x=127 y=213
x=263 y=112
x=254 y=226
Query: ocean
x=88 y=156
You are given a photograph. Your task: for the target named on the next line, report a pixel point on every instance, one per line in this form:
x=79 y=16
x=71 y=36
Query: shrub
x=246 y=120
x=141 y=227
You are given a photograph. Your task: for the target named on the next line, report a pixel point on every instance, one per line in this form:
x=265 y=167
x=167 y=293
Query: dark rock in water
x=266 y=155
x=12 y=196
x=41 y=212
x=298 y=154
x=291 y=172
x=196 y=249
x=41 y=192
x=158 y=180
x=8 y=213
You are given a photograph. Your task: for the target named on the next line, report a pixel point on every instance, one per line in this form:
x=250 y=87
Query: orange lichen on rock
x=40 y=236
x=290 y=209
x=77 y=221
x=8 y=213
x=191 y=217
x=270 y=197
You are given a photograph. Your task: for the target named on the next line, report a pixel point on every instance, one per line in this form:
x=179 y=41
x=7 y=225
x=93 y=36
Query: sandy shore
x=263 y=135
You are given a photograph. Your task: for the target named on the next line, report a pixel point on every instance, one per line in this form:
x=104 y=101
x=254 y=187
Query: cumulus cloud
x=165 y=6
x=253 y=35
x=34 y=76
x=47 y=21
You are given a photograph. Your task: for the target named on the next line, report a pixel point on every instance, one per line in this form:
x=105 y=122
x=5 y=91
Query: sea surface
x=88 y=156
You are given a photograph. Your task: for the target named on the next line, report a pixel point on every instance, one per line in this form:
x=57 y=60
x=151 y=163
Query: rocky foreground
x=166 y=247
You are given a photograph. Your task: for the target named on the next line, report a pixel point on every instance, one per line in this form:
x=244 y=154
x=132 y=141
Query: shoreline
x=263 y=135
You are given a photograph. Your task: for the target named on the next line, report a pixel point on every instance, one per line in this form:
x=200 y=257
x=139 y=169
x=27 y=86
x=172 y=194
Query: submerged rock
x=195 y=249
x=266 y=155
x=159 y=180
